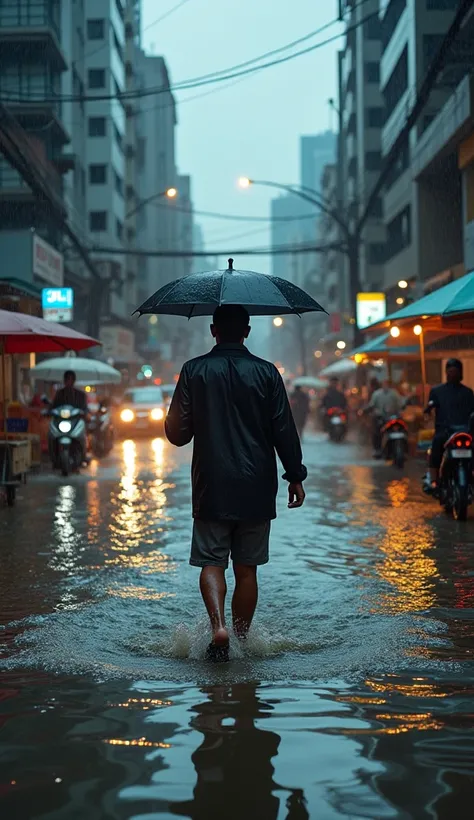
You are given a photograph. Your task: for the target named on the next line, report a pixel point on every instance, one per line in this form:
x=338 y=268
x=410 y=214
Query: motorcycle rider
x=453 y=404
x=385 y=402
x=70 y=395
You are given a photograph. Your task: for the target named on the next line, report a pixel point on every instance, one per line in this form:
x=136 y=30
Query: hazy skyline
x=253 y=126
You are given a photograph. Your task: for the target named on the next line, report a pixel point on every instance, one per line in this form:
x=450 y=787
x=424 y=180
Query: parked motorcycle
x=67 y=438
x=101 y=432
x=455 y=487
x=395 y=441
x=336 y=420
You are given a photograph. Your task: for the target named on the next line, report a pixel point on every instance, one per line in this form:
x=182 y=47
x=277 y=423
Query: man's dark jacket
x=72 y=396
x=453 y=404
x=236 y=408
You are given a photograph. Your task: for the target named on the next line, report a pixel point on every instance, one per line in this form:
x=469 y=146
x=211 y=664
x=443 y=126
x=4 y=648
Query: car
x=142 y=410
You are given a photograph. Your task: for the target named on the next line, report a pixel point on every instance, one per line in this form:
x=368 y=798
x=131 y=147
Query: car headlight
x=65 y=426
x=157 y=414
x=127 y=415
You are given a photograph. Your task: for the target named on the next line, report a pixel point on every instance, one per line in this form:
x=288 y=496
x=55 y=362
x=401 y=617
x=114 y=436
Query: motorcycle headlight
x=65 y=426
x=157 y=414
x=127 y=415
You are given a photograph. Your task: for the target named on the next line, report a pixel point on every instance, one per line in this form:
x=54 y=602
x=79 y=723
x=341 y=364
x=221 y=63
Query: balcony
x=35 y=26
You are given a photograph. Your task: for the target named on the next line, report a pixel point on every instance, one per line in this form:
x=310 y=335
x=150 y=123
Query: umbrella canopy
x=380 y=347
x=200 y=293
x=453 y=300
x=312 y=382
x=341 y=368
x=88 y=371
x=20 y=333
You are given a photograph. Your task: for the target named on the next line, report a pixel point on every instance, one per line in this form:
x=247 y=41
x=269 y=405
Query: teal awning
x=380 y=346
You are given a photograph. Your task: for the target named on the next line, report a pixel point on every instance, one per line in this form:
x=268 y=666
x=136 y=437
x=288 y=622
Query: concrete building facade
x=418 y=213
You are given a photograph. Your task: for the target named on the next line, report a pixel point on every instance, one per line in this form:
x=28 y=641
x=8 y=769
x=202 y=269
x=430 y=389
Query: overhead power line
x=222 y=76
x=231 y=217
x=171 y=254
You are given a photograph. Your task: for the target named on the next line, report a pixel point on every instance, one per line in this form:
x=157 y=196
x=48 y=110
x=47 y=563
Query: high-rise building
x=411 y=35
x=361 y=116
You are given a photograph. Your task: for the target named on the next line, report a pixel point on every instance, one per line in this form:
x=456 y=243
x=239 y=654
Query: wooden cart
x=15 y=461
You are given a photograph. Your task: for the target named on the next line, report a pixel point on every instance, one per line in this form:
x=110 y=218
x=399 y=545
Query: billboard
x=58 y=304
x=48 y=263
x=371 y=307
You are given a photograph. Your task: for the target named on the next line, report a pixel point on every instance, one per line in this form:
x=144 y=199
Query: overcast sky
x=253 y=126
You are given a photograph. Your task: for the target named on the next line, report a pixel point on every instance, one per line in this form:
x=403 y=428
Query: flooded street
x=353 y=698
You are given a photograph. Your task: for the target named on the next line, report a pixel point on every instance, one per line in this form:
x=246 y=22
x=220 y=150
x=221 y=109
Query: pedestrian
x=300 y=408
x=236 y=408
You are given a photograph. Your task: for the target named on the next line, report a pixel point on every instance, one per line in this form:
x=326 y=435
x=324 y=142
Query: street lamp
x=351 y=235
x=400 y=300
x=168 y=193
x=278 y=321
x=318 y=354
x=403 y=284
x=418 y=330
x=341 y=345
x=395 y=332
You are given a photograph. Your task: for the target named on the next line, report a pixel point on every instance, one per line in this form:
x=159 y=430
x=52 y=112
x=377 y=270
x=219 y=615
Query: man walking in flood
x=236 y=408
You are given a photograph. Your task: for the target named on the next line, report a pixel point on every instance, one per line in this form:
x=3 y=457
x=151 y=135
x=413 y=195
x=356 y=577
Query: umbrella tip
x=231 y=264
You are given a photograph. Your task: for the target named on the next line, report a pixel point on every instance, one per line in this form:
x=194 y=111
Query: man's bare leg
x=245 y=598
x=213 y=590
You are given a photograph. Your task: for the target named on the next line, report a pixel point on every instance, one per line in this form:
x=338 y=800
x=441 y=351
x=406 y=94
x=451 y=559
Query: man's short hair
x=69 y=374
x=454 y=363
x=231 y=322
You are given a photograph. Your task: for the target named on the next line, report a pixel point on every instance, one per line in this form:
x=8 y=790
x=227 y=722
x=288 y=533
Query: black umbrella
x=200 y=293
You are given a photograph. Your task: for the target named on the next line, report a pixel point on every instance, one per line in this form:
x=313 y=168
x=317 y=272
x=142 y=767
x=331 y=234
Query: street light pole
x=169 y=193
x=352 y=238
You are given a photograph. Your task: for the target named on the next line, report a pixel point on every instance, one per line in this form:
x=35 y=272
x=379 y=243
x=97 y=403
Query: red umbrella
x=20 y=333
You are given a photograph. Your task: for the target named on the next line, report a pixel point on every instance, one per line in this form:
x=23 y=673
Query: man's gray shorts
x=245 y=541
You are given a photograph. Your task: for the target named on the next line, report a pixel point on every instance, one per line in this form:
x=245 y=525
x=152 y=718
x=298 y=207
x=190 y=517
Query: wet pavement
x=353 y=698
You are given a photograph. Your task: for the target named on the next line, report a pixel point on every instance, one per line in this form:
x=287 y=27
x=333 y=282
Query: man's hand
x=296 y=496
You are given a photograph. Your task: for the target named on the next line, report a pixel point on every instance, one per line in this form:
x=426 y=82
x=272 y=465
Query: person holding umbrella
x=236 y=408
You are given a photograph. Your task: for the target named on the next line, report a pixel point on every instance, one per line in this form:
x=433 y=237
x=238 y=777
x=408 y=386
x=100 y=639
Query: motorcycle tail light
x=463 y=440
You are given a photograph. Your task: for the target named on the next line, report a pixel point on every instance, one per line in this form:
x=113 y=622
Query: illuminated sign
x=58 y=304
x=371 y=308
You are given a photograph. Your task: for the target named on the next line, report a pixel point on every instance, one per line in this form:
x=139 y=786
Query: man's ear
x=247 y=332
x=213 y=331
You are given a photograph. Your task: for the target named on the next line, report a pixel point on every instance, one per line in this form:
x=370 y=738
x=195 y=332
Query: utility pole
x=301 y=335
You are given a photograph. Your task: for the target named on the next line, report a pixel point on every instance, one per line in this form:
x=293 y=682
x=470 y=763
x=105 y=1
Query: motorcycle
x=336 y=423
x=455 y=488
x=101 y=432
x=67 y=438
x=395 y=441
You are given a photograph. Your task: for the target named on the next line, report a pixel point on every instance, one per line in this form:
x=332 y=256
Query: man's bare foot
x=220 y=637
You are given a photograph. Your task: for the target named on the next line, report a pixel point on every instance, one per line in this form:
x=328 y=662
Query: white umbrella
x=312 y=382
x=341 y=368
x=88 y=371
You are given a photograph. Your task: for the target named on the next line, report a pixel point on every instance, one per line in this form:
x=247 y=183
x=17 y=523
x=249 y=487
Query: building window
x=97 y=174
x=372 y=28
x=431 y=45
x=97 y=126
x=376 y=211
x=118 y=183
x=95 y=29
x=399 y=233
x=96 y=77
x=374 y=117
x=97 y=221
x=372 y=72
x=376 y=253
x=373 y=160
x=119 y=229
x=442 y=5
x=400 y=166
x=390 y=20
x=397 y=84
x=118 y=138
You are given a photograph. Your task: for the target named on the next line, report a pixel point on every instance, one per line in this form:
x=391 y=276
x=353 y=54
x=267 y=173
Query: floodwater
x=353 y=698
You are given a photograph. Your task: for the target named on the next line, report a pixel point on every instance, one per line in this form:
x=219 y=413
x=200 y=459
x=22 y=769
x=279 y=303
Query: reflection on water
x=363 y=650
